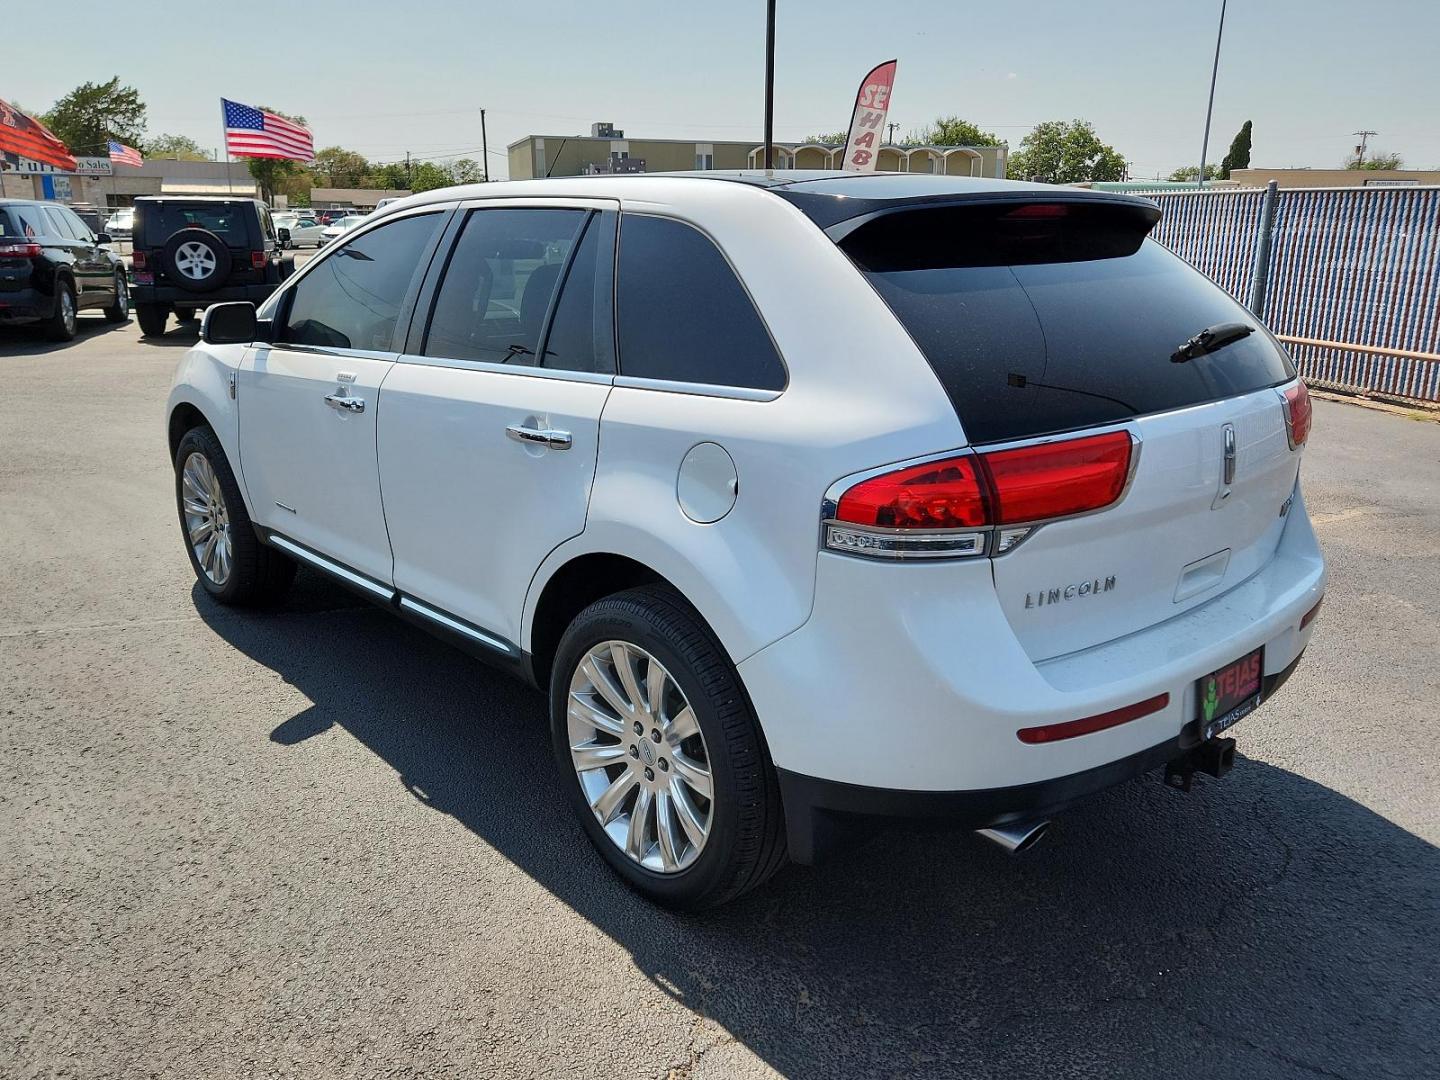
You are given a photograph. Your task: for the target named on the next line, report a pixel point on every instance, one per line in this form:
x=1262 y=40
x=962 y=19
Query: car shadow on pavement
x=1264 y=925
x=31 y=341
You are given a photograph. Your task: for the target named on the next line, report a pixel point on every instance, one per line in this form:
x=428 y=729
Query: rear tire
x=119 y=311
x=61 y=325
x=152 y=318
x=743 y=822
x=229 y=560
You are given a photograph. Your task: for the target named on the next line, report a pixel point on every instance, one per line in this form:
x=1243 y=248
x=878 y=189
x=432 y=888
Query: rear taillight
x=258 y=260
x=23 y=251
x=950 y=507
x=1297 y=413
x=1050 y=480
x=1070 y=729
x=139 y=260
x=1309 y=616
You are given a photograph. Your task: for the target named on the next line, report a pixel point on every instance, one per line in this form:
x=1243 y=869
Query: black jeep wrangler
x=193 y=251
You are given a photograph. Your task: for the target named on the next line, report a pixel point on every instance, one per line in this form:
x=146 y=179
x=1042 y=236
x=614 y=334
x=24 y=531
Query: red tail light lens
x=1309 y=616
x=138 y=260
x=1090 y=724
x=257 y=260
x=1297 y=414
x=978 y=492
x=24 y=251
x=936 y=495
x=1057 y=479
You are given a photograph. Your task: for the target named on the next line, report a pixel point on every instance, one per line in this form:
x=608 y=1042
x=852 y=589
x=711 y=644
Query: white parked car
x=339 y=227
x=299 y=230
x=120 y=224
x=803 y=496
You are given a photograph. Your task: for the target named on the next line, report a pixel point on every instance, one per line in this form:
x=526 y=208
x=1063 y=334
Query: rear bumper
x=816 y=810
x=26 y=305
x=908 y=678
x=171 y=294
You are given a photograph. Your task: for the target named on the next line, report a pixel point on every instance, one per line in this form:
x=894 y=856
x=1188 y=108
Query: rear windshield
x=163 y=220
x=22 y=221
x=1041 y=318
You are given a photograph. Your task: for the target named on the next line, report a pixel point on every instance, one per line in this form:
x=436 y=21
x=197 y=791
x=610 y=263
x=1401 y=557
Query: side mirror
x=229 y=324
x=103 y=238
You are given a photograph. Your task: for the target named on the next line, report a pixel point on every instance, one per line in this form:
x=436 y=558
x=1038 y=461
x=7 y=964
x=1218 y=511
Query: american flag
x=251 y=132
x=125 y=155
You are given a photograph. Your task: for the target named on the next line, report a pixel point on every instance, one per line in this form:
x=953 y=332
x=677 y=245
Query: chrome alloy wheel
x=122 y=294
x=67 y=311
x=196 y=261
x=207 y=519
x=642 y=762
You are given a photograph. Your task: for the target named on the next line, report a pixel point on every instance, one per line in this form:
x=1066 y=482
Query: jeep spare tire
x=196 y=259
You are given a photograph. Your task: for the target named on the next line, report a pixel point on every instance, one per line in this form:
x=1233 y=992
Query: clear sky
x=384 y=78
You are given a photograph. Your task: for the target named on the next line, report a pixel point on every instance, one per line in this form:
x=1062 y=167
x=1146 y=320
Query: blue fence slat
x=1358 y=266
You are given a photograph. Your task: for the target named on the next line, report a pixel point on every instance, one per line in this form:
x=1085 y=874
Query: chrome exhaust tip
x=1016 y=838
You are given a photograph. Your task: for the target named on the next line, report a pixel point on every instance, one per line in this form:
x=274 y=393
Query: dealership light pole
x=1210 y=108
x=484 y=148
x=769 y=82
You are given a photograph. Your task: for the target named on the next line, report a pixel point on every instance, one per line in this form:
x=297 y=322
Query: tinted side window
x=78 y=228
x=353 y=297
x=496 y=292
x=56 y=225
x=26 y=221
x=682 y=313
x=581 y=335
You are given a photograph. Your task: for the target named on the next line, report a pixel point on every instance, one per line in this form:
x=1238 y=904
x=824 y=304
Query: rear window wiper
x=1210 y=339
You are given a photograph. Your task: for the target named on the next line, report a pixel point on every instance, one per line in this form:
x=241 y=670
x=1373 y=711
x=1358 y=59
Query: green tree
x=278 y=175
x=952 y=131
x=92 y=114
x=466 y=171
x=340 y=167
x=391 y=175
x=834 y=138
x=1061 y=152
x=1239 y=155
x=1189 y=172
x=175 y=148
x=427 y=176
x=1378 y=160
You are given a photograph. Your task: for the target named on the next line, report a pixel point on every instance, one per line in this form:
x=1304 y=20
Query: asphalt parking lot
x=316 y=842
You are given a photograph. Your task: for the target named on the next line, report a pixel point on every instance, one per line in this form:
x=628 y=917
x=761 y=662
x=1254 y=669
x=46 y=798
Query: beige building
x=102 y=184
x=607 y=150
x=325 y=198
x=1327 y=178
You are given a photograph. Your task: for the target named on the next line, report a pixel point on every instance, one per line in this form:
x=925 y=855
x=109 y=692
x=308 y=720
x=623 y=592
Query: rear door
x=489 y=424
x=1044 y=319
x=308 y=401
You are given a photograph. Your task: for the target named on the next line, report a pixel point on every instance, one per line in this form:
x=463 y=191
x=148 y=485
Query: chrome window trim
x=326 y=350
x=830 y=504
x=717 y=390
x=374 y=588
x=601 y=377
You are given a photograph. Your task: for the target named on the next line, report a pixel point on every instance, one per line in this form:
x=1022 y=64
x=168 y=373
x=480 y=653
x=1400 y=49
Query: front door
x=489 y=427
x=308 y=401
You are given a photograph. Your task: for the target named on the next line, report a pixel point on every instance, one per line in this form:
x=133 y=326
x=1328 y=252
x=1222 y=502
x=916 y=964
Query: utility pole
x=892 y=126
x=484 y=149
x=407 y=169
x=1210 y=108
x=1360 y=150
x=769 y=83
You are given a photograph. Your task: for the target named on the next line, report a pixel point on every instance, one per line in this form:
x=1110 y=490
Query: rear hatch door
x=1045 y=317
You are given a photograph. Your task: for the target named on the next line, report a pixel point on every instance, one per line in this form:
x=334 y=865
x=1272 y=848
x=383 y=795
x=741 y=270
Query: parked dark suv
x=195 y=251
x=52 y=266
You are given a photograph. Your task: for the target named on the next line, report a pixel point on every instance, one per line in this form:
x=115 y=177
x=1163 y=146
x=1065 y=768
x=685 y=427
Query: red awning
x=28 y=138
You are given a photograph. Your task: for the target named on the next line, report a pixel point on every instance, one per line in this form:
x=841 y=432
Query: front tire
x=226 y=555
x=152 y=318
x=661 y=753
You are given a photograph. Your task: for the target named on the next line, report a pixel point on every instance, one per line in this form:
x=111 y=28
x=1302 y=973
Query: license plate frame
x=1229 y=694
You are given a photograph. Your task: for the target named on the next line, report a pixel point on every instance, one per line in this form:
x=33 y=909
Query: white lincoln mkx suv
x=805 y=496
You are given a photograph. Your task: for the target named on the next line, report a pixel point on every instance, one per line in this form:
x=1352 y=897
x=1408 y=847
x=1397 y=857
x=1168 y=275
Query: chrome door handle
x=349 y=404
x=555 y=440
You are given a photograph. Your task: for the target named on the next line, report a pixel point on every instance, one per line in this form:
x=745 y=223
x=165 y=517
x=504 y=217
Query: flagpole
x=225 y=145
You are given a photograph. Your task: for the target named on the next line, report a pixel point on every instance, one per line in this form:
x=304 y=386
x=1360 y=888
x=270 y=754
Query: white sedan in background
x=303 y=230
x=339 y=227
